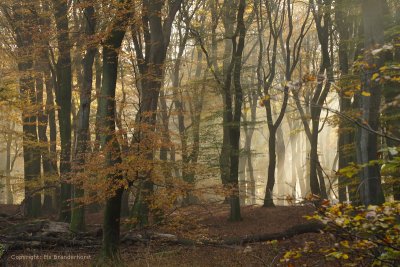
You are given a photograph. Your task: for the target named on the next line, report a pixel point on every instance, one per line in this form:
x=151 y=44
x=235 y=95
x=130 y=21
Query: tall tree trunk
x=96 y=207
x=228 y=19
x=246 y=164
x=30 y=143
x=51 y=201
x=345 y=133
x=235 y=113
x=10 y=134
x=367 y=142
x=325 y=77
x=157 y=34
x=391 y=93
x=44 y=147
x=22 y=19
x=123 y=140
x=294 y=160
x=98 y=66
x=82 y=139
x=108 y=139
x=276 y=16
x=63 y=99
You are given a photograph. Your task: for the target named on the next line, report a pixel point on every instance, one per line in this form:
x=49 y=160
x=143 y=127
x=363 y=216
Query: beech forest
x=200 y=133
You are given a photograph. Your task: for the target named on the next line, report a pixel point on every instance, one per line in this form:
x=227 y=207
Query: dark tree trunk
x=268 y=201
x=346 y=136
x=314 y=160
x=63 y=99
x=235 y=113
x=228 y=20
x=108 y=139
x=82 y=139
x=291 y=58
x=367 y=142
x=323 y=25
x=157 y=33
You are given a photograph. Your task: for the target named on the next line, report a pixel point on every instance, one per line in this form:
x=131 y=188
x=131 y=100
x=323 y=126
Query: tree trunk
x=228 y=19
x=391 y=93
x=108 y=145
x=98 y=66
x=10 y=134
x=157 y=35
x=367 y=143
x=268 y=200
x=51 y=201
x=23 y=19
x=346 y=136
x=44 y=147
x=108 y=139
x=234 y=127
x=63 y=99
x=82 y=139
x=325 y=77
x=281 y=155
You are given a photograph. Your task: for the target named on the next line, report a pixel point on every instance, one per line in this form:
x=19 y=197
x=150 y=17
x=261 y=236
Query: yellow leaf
x=345 y=243
x=358 y=218
x=375 y=76
x=348 y=93
x=384 y=68
x=364 y=93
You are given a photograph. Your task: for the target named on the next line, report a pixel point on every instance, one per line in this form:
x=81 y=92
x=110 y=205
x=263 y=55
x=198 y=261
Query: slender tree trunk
x=281 y=154
x=276 y=15
x=98 y=66
x=44 y=147
x=294 y=155
x=268 y=201
x=9 y=193
x=51 y=201
x=325 y=77
x=82 y=139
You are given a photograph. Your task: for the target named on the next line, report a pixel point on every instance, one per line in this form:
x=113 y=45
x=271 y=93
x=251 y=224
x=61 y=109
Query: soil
x=200 y=222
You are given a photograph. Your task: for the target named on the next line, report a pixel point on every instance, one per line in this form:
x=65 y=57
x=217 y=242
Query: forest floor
x=205 y=224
